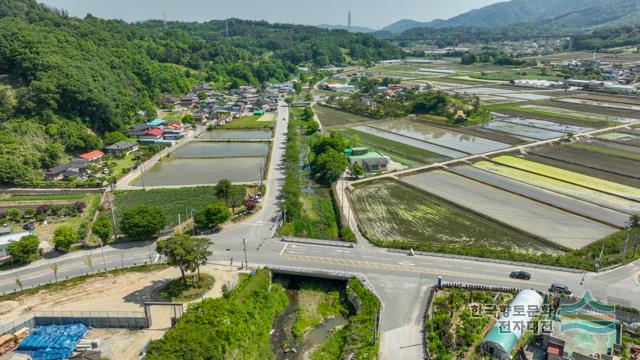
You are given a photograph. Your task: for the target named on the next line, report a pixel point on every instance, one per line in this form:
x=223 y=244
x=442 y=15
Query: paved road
x=401 y=281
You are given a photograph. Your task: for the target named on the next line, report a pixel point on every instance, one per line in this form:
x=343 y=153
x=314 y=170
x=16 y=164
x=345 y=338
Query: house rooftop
x=156 y=122
x=121 y=145
x=91 y=155
x=369 y=155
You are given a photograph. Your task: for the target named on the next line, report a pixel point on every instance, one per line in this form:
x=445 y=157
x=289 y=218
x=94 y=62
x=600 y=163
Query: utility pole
x=244 y=248
x=226 y=25
x=179 y=224
x=113 y=221
x=626 y=241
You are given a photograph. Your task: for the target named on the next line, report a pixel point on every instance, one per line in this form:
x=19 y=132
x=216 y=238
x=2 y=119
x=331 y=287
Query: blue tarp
x=53 y=342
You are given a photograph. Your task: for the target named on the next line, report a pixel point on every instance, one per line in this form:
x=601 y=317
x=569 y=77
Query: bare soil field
x=593 y=109
x=391 y=210
x=600 y=174
x=591 y=159
x=557 y=226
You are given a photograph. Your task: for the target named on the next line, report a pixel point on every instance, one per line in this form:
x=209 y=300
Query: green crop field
x=607 y=151
x=172 y=201
x=388 y=210
x=330 y=117
x=402 y=153
x=570 y=177
x=248 y=122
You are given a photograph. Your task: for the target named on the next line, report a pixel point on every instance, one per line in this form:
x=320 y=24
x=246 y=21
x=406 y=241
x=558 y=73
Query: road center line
x=284 y=248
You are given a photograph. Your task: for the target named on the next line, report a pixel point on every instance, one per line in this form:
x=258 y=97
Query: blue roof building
x=156 y=122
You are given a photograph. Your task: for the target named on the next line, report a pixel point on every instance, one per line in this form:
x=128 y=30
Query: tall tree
x=212 y=216
x=224 y=190
x=103 y=228
x=65 y=236
x=185 y=252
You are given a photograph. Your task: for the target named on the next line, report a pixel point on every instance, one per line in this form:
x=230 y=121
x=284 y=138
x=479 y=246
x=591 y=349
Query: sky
x=370 y=13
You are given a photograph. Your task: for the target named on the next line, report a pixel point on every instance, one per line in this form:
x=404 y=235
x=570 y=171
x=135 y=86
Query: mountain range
x=566 y=15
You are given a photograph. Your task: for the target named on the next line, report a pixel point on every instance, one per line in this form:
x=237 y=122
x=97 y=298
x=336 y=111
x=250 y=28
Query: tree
x=212 y=216
x=114 y=137
x=329 y=166
x=297 y=87
x=65 y=236
x=103 y=228
x=188 y=119
x=185 y=252
x=224 y=190
x=357 y=170
x=468 y=59
x=24 y=250
x=334 y=141
x=142 y=221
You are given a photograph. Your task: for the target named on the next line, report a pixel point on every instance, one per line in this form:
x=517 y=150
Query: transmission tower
x=164 y=21
x=349 y=20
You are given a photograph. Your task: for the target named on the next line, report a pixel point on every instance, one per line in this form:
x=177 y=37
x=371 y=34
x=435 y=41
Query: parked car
x=523 y=275
x=560 y=289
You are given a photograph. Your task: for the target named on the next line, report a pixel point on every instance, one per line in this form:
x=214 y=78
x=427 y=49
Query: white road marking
x=284 y=248
x=157 y=258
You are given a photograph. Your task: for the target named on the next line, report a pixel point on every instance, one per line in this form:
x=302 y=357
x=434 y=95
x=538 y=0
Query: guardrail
x=337 y=243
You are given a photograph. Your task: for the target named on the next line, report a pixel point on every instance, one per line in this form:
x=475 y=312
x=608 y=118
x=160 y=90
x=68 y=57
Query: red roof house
x=92 y=155
x=152 y=133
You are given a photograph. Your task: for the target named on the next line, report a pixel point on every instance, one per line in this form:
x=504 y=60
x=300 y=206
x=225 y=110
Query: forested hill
x=65 y=81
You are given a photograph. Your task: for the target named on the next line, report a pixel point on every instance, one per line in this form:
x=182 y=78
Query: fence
x=95 y=319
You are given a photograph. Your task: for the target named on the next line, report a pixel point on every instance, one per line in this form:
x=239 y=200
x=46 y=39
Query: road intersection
x=400 y=280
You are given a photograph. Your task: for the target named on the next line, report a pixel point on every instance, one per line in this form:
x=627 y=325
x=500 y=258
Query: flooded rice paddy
x=522 y=131
x=454 y=140
x=230 y=134
x=221 y=150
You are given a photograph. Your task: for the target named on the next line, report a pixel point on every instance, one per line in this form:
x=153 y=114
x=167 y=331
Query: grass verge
x=176 y=290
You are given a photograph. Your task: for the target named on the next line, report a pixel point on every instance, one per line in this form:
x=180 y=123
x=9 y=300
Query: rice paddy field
x=390 y=210
x=453 y=140
x=591 y=157
x=556 y=199
x=590 y=182
x=521 y=131
x=565 y=230
x=561 y=187
x=596 y=109
x=330 y=117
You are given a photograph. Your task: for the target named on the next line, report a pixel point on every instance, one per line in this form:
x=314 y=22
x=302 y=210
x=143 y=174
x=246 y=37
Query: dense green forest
x=65 y=81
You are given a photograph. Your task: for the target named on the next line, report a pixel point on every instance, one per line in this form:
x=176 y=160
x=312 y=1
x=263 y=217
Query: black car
x=560 y=289
x=520 y=275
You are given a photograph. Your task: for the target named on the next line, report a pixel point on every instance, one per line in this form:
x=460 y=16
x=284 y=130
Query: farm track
x=556 y=226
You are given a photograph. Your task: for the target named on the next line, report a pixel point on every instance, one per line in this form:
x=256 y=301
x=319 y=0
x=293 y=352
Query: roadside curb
x=343 y=244
x=488 y=260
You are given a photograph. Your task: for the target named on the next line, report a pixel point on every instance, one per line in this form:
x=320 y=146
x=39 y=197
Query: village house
x=121 y=148
x=137 y=130
x=77 y=169
x=371 y=161
x=7 y=238
x=92 y=156
x=151 y=135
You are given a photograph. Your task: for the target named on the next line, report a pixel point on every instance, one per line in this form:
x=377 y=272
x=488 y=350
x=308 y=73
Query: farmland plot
x=547 y=125
x=601 y=103
x=594 y=109
x=410 y=141
x=524 y=132
x=589 y=156
x=331 y=117
x=633 y=100
x=573 y=205
x=583 y=115
x=556 y=118
x=571 y=177
x=557 y=226
x=450 y=139
x=578 y=192
x=600 y=174
x=612 y=148
x=390 y=210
